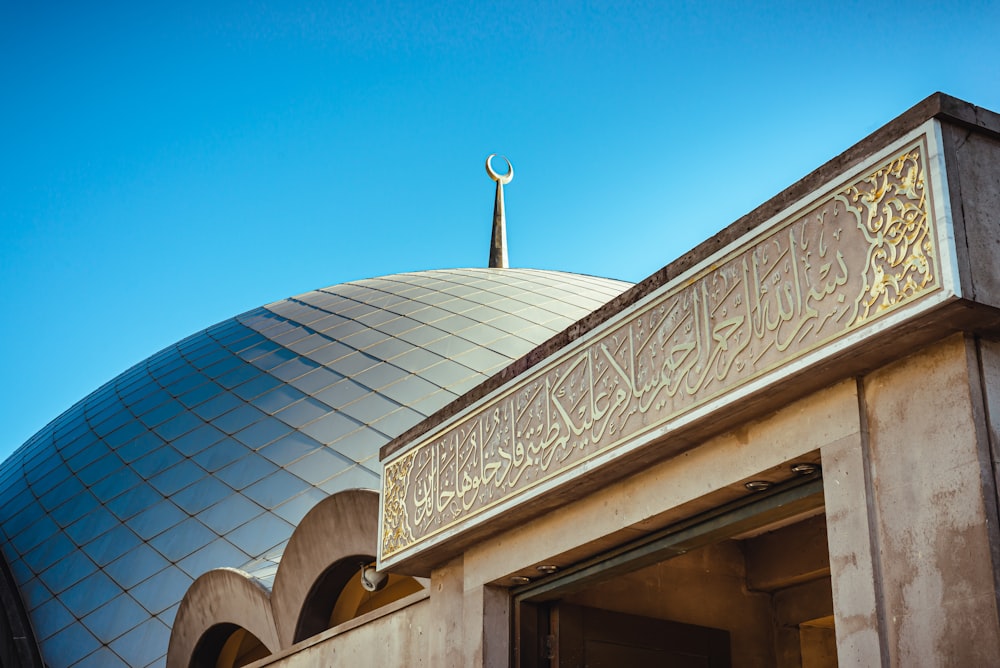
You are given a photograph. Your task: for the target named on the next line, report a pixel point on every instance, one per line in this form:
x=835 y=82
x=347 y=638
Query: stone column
x=853 y=564
x=935 y=564
x=487 y=626
x=446 y=646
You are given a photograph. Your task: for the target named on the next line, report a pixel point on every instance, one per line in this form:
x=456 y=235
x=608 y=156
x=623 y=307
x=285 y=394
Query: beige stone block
x=445 y=647
x=852 y=566
x=989 y=352
x=935 y=557
x=399 y=640
x=486 y=618
x=973 y=174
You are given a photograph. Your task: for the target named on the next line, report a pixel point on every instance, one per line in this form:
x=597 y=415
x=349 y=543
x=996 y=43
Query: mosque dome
x=210 y=452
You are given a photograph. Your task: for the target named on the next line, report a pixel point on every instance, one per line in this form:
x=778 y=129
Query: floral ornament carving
x=891 y=209
x=395 y=532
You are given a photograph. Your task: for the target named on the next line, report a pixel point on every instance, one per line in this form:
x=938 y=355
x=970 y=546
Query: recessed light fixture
x=758 y=485
x=519 y=580
x=548 y=569
x=805 y=468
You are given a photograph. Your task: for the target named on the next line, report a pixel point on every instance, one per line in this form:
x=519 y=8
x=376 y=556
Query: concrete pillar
x=446 y=646
x=935 y=562
x=470 y=621
x=853 y=561
x=989 y=365
x=487 y=627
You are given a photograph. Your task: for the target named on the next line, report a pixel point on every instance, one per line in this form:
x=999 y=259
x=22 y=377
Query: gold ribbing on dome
x=498 y=243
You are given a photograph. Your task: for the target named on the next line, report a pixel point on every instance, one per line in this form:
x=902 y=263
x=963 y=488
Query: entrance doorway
x=607 y=639
x=745 y=585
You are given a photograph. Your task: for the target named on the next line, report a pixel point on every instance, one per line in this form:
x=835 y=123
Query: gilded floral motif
x=890 y=206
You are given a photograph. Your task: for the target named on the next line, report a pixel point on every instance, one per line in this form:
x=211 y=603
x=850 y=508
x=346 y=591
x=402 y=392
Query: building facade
x=780 y=449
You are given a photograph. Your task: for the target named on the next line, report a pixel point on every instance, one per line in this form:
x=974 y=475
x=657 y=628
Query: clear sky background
x=167 y=166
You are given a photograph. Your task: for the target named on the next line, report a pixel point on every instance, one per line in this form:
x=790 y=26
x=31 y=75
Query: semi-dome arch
x=218 y=603
x=341 y=526
x=211 y=451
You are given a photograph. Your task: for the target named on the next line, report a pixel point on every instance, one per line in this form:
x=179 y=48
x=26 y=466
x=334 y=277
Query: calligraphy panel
x=861 y=250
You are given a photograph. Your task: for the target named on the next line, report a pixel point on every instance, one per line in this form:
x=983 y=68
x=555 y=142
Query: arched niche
x=227 y=646
x=318 y=582
x=353 y=599
x=338 y=596
x=223 y=616
x=342 y=525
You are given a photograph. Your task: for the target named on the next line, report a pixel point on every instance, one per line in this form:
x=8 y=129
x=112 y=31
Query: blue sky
x=167 y=166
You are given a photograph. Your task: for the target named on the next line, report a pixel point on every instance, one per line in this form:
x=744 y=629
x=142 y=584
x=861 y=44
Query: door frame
x=532 y=645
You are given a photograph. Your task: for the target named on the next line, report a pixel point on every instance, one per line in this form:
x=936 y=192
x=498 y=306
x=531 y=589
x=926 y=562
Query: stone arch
x=217 y=604
x=335 y=532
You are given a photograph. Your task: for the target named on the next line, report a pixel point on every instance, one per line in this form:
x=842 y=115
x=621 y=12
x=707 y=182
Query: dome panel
x=209 y=452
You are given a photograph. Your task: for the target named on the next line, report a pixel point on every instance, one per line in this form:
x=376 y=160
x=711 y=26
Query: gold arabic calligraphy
x=822 y=273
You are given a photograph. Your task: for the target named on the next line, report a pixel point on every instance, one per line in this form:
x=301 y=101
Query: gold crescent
x=502 y=179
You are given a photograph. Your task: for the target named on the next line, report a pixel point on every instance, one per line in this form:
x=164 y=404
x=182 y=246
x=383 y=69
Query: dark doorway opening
x=745 y=585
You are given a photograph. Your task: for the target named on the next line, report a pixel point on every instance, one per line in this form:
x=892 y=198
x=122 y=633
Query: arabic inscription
x=861 y=251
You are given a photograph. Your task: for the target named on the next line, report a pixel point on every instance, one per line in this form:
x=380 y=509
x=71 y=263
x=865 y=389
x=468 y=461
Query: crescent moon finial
x=498 y=242
x=502 y=179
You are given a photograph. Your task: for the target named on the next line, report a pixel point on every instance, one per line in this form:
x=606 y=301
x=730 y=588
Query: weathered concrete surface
x=220 y=596
x=852 y=562
x=937 y=574
x=984 y=377
x=973 y=166
x=399 y=639
x=989 y=364
x=448 y=646
x=486 y=626
x=990 y=360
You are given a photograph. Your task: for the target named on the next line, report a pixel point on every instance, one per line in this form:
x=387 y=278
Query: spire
x=498 y=243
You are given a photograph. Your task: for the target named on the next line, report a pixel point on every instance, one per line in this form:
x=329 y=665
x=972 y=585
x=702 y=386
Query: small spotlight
x=548 y=569
x=519 y=580
x=805 y=468
x=758 y=485
x=371 y=579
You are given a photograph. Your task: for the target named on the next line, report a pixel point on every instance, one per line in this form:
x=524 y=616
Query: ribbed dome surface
x=210 y=452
